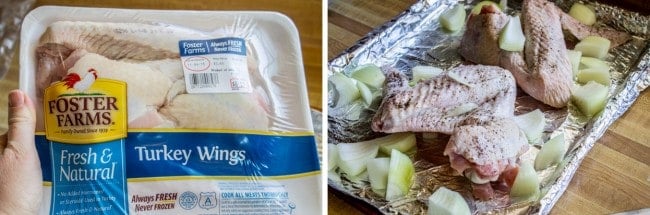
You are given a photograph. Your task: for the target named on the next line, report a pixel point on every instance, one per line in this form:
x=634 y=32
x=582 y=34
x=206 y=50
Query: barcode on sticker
x=215 y=65
x=204 y=80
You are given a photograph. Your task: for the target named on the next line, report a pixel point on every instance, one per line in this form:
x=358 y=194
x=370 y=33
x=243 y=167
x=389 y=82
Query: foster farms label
x=94 y=115
x=86 y=123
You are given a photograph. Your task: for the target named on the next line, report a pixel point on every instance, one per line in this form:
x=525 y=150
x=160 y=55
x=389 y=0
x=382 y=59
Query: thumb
x=22 y=119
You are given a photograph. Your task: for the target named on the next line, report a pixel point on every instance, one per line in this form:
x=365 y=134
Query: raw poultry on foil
x=485 y=143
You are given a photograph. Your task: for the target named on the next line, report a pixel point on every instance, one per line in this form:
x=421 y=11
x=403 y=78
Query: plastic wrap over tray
x=170 y=112
x=415 y=38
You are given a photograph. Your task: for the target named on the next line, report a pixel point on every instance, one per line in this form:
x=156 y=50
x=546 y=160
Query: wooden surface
x=614 y=177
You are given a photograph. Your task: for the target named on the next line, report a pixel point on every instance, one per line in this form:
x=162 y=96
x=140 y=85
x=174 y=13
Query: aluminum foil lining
x=415 y=38
x=12 y=13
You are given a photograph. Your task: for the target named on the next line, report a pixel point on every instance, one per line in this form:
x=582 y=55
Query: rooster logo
x=73 y=80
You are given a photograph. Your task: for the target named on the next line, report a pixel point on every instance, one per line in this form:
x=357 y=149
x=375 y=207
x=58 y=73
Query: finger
x=22 y=120
x=3 y=143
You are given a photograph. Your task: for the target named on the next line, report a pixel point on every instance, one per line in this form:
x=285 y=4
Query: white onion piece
x=447 y=202
x=378 y=174
x=400 y=175
x=354 y=156
x=532 y=124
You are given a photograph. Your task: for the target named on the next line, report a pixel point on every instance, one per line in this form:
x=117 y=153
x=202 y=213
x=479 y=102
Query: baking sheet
x=415 y=38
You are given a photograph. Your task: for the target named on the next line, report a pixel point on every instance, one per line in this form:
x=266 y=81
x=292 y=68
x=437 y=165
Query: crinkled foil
x=415 y=38
x=12 y=13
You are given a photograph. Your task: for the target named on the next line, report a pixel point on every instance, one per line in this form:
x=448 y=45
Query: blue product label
x=169 y=155
x=227 y=45
x=87 y=178
x=217 y=154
